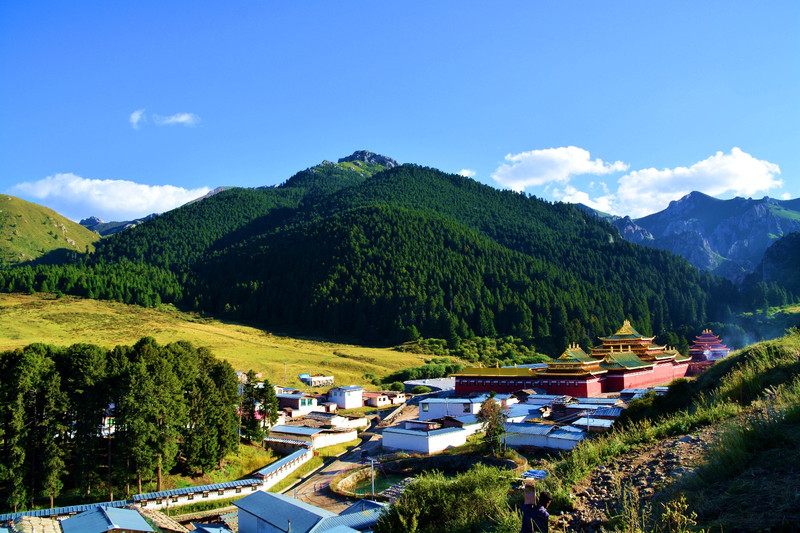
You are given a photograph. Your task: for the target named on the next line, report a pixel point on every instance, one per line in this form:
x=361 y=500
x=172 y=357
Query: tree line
x=85 y=417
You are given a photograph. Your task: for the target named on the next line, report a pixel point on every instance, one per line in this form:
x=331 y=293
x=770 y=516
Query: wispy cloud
x=136 y=117
x=76 y=197
x=185 y=119
x=467 y=173
x=551 y=165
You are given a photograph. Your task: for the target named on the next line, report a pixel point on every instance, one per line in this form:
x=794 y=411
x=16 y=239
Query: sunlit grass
x=26 y=319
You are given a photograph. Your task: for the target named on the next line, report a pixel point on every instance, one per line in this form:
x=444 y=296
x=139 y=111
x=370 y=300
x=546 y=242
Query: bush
x=397 y=386
x=421 y=389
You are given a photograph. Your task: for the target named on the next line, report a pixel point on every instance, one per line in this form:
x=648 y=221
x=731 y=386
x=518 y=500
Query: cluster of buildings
x=625 y=360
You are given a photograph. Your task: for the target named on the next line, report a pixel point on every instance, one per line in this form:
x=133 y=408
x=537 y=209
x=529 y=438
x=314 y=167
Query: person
x=535 y=518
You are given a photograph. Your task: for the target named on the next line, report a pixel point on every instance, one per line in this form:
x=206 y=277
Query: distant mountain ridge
x=726 y=237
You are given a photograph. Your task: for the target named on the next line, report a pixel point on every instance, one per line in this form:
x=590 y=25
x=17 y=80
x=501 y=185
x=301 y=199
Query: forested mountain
x=727 y=237
x=29 y=231
x=383 y=253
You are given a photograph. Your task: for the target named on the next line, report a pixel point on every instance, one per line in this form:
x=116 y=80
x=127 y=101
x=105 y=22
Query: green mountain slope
x=29 y=231
x=371 y=250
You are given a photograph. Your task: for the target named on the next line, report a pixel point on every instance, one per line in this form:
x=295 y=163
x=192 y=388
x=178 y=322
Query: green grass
x=26 y=319
x=29 y=231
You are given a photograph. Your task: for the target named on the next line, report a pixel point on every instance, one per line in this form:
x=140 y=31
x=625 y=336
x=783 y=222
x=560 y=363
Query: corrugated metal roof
x=363 y=505
x=350 y=388
x=63 y=511
x=567 y=435
x=529 y=429
x=609 y=411
x=594 y=422
x=296 y=430
x=195 y=490
x=273 y=467
x=422 y=433
x=100 y=519
x=355 y=521
x=211 y=528
x=467 y=420
x=279 y=509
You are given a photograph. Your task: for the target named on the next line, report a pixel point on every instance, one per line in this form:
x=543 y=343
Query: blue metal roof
x=296 y=430
x=467 y=419
x=273 y=467
x=609 y=411
x=100 y=519
x=529 y=429
x=279 y=509
x=63 y=511
x=350 y=388
x=195 y=490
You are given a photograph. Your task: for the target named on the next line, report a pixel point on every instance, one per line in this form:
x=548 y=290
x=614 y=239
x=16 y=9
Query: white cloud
x=649 y=190
x=573 y=196
x=786 y=196
x=112 y=200
x=467 y=173
x=136 y=117
x=186 y=119
x=551 y=165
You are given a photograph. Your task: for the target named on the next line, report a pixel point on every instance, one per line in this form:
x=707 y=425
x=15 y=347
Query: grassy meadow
x=26 y=319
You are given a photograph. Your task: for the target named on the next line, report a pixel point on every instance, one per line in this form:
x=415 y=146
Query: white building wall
x=321 y=440
x=450 y=407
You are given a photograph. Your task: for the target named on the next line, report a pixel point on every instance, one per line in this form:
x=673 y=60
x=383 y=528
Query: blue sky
x=122 y=109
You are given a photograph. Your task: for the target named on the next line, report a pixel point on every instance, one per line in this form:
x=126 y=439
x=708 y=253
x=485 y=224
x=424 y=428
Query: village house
x=347 y=397
x=316 y=437
x=316 y=380
x=375 y=399
x=296 y=403
x=423 y=437
x=102 y=519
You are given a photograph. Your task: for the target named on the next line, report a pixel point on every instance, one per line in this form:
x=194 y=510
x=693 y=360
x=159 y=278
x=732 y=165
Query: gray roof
x=609 y=411
x=594 y=422
x=296 y=430
x=567 y=435
x=100 y=519
x=421 y=432
x=279 y=509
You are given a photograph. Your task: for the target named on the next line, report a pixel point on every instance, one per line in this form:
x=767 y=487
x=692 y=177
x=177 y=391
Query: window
x=220 y=492
x=190 y=497
x=238 y=490
x=466 y=408
x=425 y=407
x=205 y=494
x=174 y=499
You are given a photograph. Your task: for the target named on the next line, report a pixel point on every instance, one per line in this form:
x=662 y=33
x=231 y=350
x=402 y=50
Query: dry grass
x=26 y=319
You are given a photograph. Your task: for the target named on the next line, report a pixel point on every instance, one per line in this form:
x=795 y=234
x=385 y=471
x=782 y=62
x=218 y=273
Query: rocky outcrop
x=370 y=157
x=727 y=237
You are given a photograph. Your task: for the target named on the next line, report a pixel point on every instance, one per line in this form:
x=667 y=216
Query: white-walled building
x=542 y=436
x=349 y=397
x=423 y=441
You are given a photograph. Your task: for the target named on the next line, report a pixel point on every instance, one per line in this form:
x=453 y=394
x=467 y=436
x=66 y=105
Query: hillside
x=29 y=231
x=369 y=250
x=28 y=319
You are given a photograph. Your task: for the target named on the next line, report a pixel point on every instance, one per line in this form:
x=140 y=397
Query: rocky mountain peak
x=91 y=221
x=370 y=157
